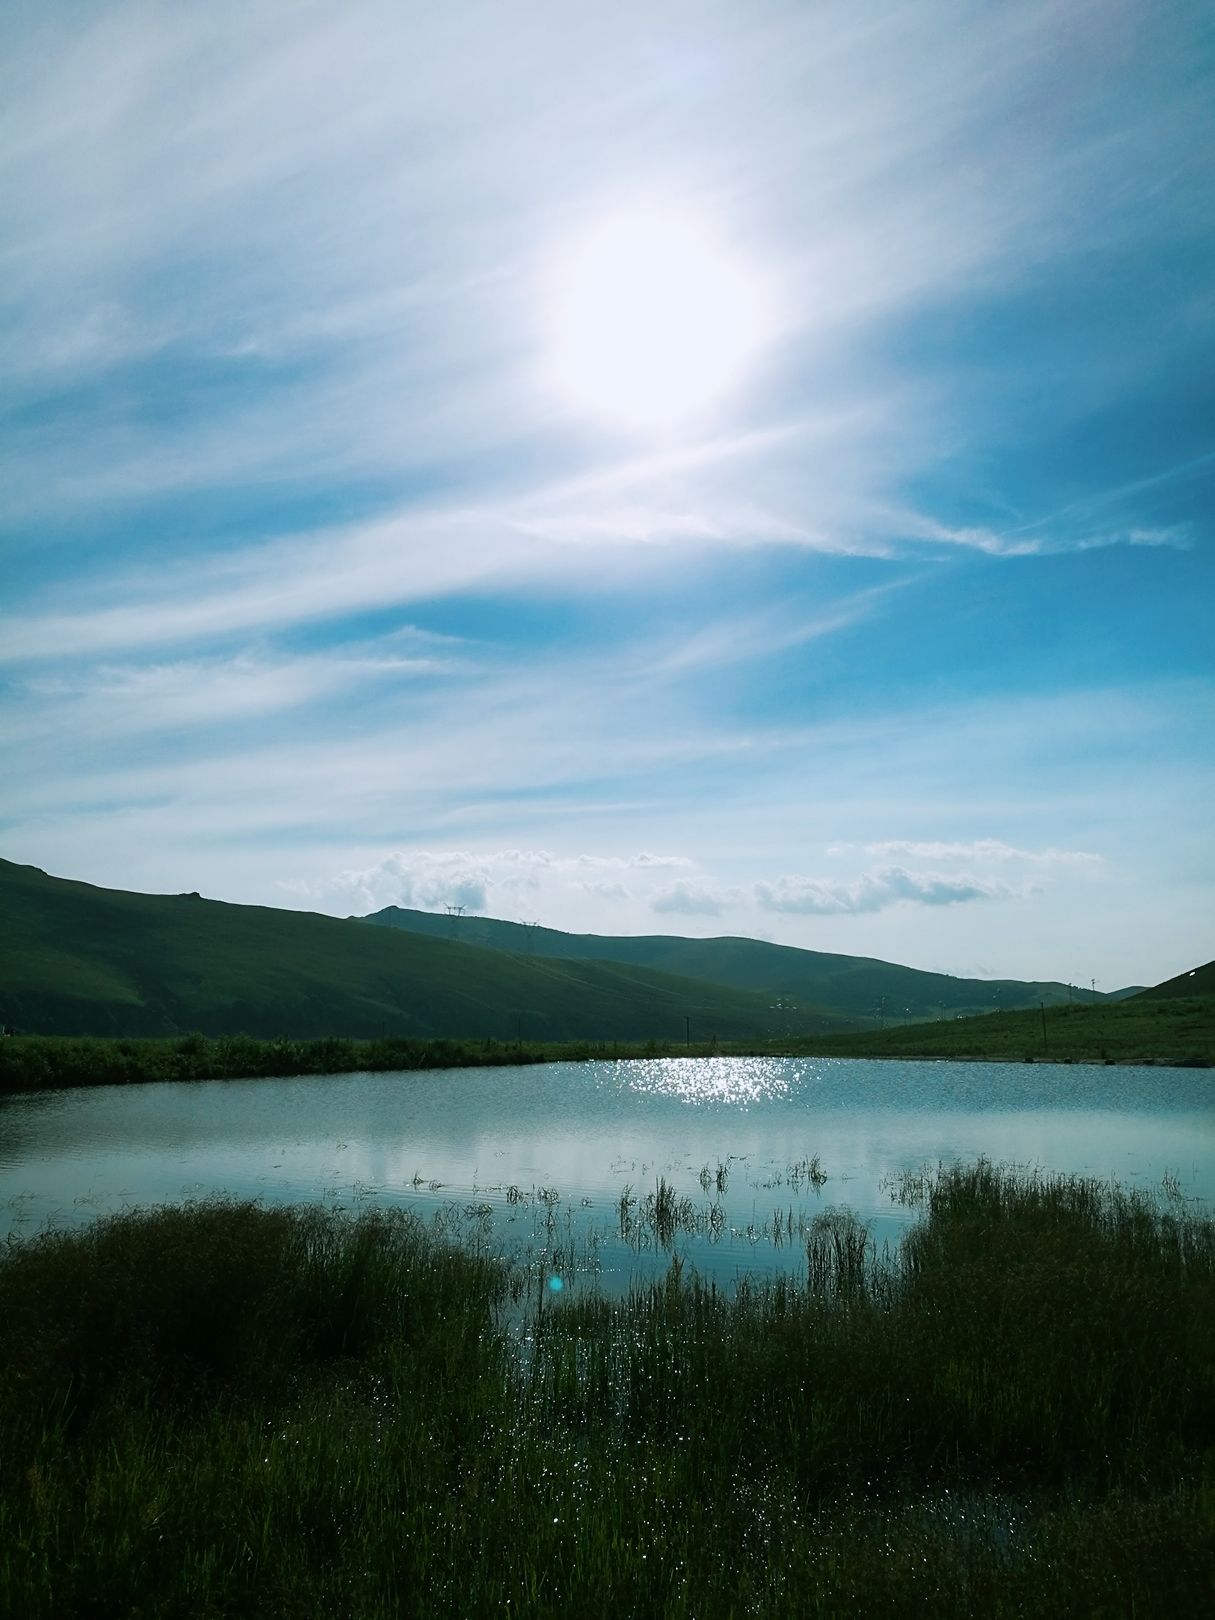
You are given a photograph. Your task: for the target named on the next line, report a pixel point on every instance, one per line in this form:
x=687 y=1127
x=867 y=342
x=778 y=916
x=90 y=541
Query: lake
x=596 y=1173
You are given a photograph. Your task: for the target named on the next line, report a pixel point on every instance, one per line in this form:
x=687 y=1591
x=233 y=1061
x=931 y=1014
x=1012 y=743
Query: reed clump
x=226 y=1409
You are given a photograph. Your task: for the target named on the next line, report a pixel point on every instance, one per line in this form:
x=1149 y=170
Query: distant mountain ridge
x=863 y=989
x=80 y=960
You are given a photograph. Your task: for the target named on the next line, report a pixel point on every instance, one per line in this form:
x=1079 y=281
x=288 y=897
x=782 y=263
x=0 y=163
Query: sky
x=700 y=469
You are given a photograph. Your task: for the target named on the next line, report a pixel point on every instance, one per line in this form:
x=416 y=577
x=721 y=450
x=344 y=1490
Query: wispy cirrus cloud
x=117 y=700
x=978 y=850
x=410 y=329
x=1015 y=542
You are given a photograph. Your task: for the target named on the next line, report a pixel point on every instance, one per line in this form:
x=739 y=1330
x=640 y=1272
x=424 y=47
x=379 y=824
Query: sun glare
x=655 y=318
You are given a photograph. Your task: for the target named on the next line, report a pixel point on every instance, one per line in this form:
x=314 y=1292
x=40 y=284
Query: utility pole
x=1093 y=982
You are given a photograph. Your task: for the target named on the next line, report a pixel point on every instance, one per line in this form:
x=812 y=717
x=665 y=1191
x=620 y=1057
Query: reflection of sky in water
x=534 y=1160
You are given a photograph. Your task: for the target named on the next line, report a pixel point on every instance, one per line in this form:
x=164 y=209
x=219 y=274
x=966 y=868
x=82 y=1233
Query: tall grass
x=228 y=1410
x=52 y=1062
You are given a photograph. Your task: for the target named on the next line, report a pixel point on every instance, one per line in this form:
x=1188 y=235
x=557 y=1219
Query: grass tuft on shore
x=225 y=1409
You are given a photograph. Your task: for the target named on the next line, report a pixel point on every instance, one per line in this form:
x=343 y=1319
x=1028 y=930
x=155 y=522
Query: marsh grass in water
x=227 y=1409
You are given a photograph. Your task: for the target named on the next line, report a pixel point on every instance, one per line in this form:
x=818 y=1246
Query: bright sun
x=655 y=318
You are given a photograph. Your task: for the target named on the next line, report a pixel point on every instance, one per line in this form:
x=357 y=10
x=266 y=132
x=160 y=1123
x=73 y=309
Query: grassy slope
x=854 y=986
x=1173 y=1029
x=1199 y=981
x=75 y=959
x=231 y=1410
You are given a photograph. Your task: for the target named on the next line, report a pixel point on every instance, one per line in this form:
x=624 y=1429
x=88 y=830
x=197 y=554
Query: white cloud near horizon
x=694 y=900
x=508 y=879
x=874 y=891
x=507 y=883
x=510 y=882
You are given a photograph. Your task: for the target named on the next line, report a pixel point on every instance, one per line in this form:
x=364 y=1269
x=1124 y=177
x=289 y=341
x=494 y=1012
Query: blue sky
x=321 y=592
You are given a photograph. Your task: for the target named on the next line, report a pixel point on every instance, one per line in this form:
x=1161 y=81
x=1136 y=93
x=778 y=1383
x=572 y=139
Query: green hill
x=77 y=960
x=1199 y=981
x=860 y=989
x=1170 y=1029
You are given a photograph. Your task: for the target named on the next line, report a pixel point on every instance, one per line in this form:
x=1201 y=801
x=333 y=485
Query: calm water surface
x=534 y=1161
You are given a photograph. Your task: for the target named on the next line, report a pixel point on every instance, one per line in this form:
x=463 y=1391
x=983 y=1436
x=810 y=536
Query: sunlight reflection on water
x=736 y=1081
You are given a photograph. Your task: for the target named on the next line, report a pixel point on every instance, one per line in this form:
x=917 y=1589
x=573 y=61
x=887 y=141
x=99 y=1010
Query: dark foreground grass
x=1176 y=1030
x=228 y=1410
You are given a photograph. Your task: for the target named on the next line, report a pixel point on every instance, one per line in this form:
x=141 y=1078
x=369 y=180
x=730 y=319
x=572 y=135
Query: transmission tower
x=455 y=913
x=529 y=926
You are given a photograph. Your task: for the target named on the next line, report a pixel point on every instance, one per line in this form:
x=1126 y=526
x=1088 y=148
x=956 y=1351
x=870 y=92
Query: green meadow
x=1143 y=1029
x=230 y=1410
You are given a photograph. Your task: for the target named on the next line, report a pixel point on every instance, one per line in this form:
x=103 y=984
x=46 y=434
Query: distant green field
x=1175 y=1029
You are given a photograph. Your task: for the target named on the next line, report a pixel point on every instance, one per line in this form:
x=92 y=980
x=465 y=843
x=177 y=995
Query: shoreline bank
x=30 y=1063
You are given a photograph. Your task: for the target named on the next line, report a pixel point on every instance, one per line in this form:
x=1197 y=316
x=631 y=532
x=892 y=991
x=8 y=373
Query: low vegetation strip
x=51 y=1062
x=1179 y=1030
x=225 y=1409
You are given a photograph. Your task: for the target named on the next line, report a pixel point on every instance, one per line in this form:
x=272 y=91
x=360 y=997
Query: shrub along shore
x=1180 y=1030
x=229 y=1410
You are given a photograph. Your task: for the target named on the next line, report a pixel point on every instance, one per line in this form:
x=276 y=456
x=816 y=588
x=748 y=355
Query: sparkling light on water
x=738 y=1081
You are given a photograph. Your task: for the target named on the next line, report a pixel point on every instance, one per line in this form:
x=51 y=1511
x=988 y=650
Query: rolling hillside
x=857 y=988
x=1199 y=981
x=1170 y=1029
x=75 y=959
